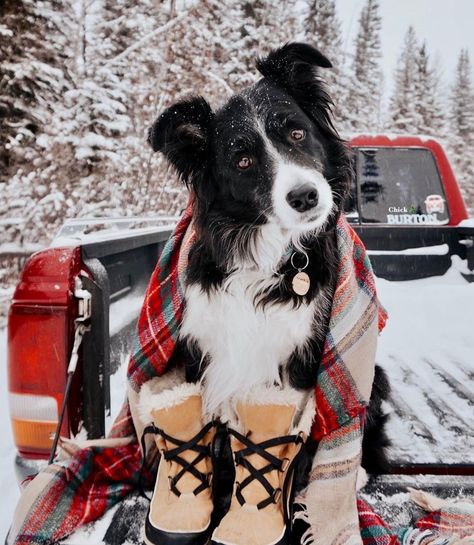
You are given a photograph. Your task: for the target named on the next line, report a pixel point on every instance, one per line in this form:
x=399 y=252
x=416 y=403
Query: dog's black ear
x=181 y=133
x=294 y=61
x=294 y=68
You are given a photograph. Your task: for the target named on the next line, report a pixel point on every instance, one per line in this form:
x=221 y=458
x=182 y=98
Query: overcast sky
x=445 y=25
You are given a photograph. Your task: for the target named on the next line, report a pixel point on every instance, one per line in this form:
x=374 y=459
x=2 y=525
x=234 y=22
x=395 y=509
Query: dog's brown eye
x=244 y=162
x=298 y=134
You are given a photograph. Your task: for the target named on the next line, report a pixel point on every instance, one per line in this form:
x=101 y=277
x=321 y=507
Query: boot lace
x=174 y=455
x=258 y=474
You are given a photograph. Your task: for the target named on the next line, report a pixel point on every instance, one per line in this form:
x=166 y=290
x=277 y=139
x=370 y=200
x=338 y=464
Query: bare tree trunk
x=83 y=38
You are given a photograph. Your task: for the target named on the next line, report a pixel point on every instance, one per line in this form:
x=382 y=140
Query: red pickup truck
x=407 y=208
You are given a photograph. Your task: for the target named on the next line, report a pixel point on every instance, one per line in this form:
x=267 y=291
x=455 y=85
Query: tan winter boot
x=265 y=449
x=181 y=507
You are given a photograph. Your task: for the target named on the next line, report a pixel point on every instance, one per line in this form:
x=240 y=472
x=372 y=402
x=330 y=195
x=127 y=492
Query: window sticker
x=399 y=186
x=434 y=203
x=413 y=219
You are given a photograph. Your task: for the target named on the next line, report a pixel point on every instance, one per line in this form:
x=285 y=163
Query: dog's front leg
x=190 y=354
x=304 y=363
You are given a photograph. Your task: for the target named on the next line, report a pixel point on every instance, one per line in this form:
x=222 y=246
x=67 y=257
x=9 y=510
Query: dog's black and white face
x=268 y=165
x=269 y=157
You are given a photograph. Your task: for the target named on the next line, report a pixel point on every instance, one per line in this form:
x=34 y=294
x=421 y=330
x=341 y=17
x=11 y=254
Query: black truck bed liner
x=387 y=494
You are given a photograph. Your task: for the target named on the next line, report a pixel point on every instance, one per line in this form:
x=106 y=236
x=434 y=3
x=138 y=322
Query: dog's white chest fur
x=245 y=343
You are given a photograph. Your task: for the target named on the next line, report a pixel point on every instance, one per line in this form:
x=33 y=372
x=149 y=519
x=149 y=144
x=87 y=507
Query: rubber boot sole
x=154 y=536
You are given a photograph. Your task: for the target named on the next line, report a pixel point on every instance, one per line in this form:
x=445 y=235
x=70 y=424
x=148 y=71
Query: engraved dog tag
x=300 y=283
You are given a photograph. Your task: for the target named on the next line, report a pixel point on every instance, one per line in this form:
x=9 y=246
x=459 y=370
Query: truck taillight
x=37 y=361
x=34 y=419
x=40 y=333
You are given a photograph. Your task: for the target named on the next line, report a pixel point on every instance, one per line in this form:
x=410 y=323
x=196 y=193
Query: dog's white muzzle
x=302 y=198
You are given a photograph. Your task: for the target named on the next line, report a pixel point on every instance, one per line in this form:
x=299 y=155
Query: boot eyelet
x=276 y=495
x=301 y=437
x=284 y=465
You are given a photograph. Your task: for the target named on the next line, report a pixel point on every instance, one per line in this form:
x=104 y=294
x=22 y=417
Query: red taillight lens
x=37 y=354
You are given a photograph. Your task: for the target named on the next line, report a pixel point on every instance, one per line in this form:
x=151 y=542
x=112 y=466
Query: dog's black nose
x=303 y=198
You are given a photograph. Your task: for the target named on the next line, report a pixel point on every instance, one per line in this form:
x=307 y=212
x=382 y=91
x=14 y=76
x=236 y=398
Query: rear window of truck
x=397 y=186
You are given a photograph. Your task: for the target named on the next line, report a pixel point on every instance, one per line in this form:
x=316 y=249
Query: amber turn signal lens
x=30 y=433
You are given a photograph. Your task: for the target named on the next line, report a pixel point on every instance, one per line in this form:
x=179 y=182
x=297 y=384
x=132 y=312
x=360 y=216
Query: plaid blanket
x=94 y=476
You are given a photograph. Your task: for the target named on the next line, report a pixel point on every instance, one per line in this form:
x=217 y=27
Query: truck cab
x=407 y=206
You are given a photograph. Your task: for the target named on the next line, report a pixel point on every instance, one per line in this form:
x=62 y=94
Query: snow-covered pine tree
x=427 y=95
x=262 y=26
x=415 y=105
x=104 y=125
x=194 y=54
x=34 y=48
x=461 y=121
x=403 y=112
x=323 y=30
x=364 y=92
x=190 y=60
x=89 y=125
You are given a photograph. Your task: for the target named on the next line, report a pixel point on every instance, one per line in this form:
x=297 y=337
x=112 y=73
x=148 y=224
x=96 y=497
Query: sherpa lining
x=163 y=392
x=274 y=395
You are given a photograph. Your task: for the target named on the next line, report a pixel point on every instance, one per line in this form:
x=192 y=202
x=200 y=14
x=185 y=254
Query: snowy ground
x=427 y=350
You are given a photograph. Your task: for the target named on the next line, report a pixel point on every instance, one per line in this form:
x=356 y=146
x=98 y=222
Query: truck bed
x=387 y=494
x=430 y=364
x=432 y=374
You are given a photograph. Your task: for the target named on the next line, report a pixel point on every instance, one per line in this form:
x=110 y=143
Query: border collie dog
x=269 y=174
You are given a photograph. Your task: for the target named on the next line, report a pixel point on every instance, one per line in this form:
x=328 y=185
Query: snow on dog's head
x=269 y=164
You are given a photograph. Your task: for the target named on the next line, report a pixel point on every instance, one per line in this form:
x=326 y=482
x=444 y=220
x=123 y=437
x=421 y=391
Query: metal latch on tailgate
x=84 y=313
x=81 y=326
x=84 y=299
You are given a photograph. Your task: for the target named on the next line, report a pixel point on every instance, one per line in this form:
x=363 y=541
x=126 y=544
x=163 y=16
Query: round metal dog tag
x=300 y=283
